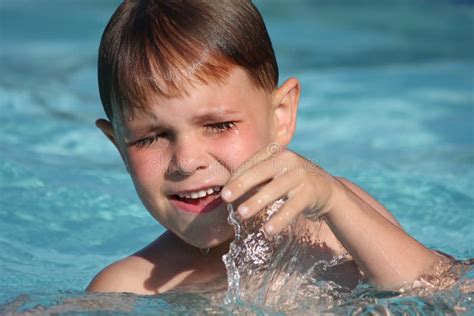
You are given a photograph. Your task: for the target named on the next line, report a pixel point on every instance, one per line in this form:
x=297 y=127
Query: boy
x=190 y=91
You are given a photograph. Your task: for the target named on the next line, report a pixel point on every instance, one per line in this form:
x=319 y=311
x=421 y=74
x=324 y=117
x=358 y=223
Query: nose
x=188 y=156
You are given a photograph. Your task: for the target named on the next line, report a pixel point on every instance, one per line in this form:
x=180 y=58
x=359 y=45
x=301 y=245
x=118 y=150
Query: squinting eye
x=146 y=142
x=221 y=127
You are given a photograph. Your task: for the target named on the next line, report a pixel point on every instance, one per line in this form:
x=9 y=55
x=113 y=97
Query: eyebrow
x=212 y=116
x=146 y=129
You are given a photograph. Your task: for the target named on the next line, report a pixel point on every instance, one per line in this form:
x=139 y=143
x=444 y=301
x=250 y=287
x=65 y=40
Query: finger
x=275 y=189
x=262 y=172
x=290 y=210
x=268 y=151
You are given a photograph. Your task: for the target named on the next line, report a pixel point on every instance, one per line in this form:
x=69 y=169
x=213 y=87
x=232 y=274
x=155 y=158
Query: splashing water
x=284 y=273
x=250 y=249
x=267 y=276
x=273 y=271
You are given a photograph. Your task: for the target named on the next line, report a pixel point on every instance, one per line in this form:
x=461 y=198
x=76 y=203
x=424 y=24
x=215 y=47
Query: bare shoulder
x=126 y=275
x=363 y=195
x=139 y=272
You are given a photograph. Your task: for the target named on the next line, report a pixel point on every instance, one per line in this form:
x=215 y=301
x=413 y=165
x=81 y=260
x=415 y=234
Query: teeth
x=200 y=193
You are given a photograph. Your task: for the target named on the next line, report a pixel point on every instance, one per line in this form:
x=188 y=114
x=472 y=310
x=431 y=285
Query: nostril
x=188 y=166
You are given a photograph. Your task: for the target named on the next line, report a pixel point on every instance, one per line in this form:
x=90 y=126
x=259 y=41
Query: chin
x=209 y=241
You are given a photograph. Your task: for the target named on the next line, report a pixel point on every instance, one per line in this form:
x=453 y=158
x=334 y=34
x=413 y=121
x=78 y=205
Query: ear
x=285 y=106
x=108 y=130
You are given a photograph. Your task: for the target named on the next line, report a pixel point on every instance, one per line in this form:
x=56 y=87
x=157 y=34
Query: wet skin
x=224 y=135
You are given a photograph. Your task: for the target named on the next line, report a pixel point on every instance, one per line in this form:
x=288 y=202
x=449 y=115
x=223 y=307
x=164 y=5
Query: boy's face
x=184 y=147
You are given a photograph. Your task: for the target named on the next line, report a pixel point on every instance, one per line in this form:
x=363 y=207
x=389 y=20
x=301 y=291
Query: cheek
x=240 y=146
x=145 y=166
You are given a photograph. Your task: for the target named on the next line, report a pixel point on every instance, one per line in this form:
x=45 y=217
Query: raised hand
x=277 y=172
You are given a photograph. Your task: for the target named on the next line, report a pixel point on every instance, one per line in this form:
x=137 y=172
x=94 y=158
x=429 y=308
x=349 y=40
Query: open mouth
x=201 y=201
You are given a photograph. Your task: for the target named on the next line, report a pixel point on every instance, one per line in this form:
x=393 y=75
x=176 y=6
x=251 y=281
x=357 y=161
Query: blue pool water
x=387 y=102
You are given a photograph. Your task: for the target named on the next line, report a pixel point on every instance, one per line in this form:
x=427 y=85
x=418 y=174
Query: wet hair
x=156 y=47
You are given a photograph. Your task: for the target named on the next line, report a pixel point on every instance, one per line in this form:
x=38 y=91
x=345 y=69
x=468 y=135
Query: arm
x=386 y=254
x=363 y=195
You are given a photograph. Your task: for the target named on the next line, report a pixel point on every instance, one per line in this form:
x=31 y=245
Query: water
x=387 y=102
x=286 y=274
x=277 y=272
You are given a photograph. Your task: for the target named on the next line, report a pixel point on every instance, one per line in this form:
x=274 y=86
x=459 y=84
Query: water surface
x=387 y=102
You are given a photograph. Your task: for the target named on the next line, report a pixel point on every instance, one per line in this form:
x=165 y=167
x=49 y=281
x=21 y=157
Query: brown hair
x=155 y=46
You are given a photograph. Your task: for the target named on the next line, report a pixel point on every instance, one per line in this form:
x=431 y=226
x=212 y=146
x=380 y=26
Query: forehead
x=227 y=95
x=137 y=84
